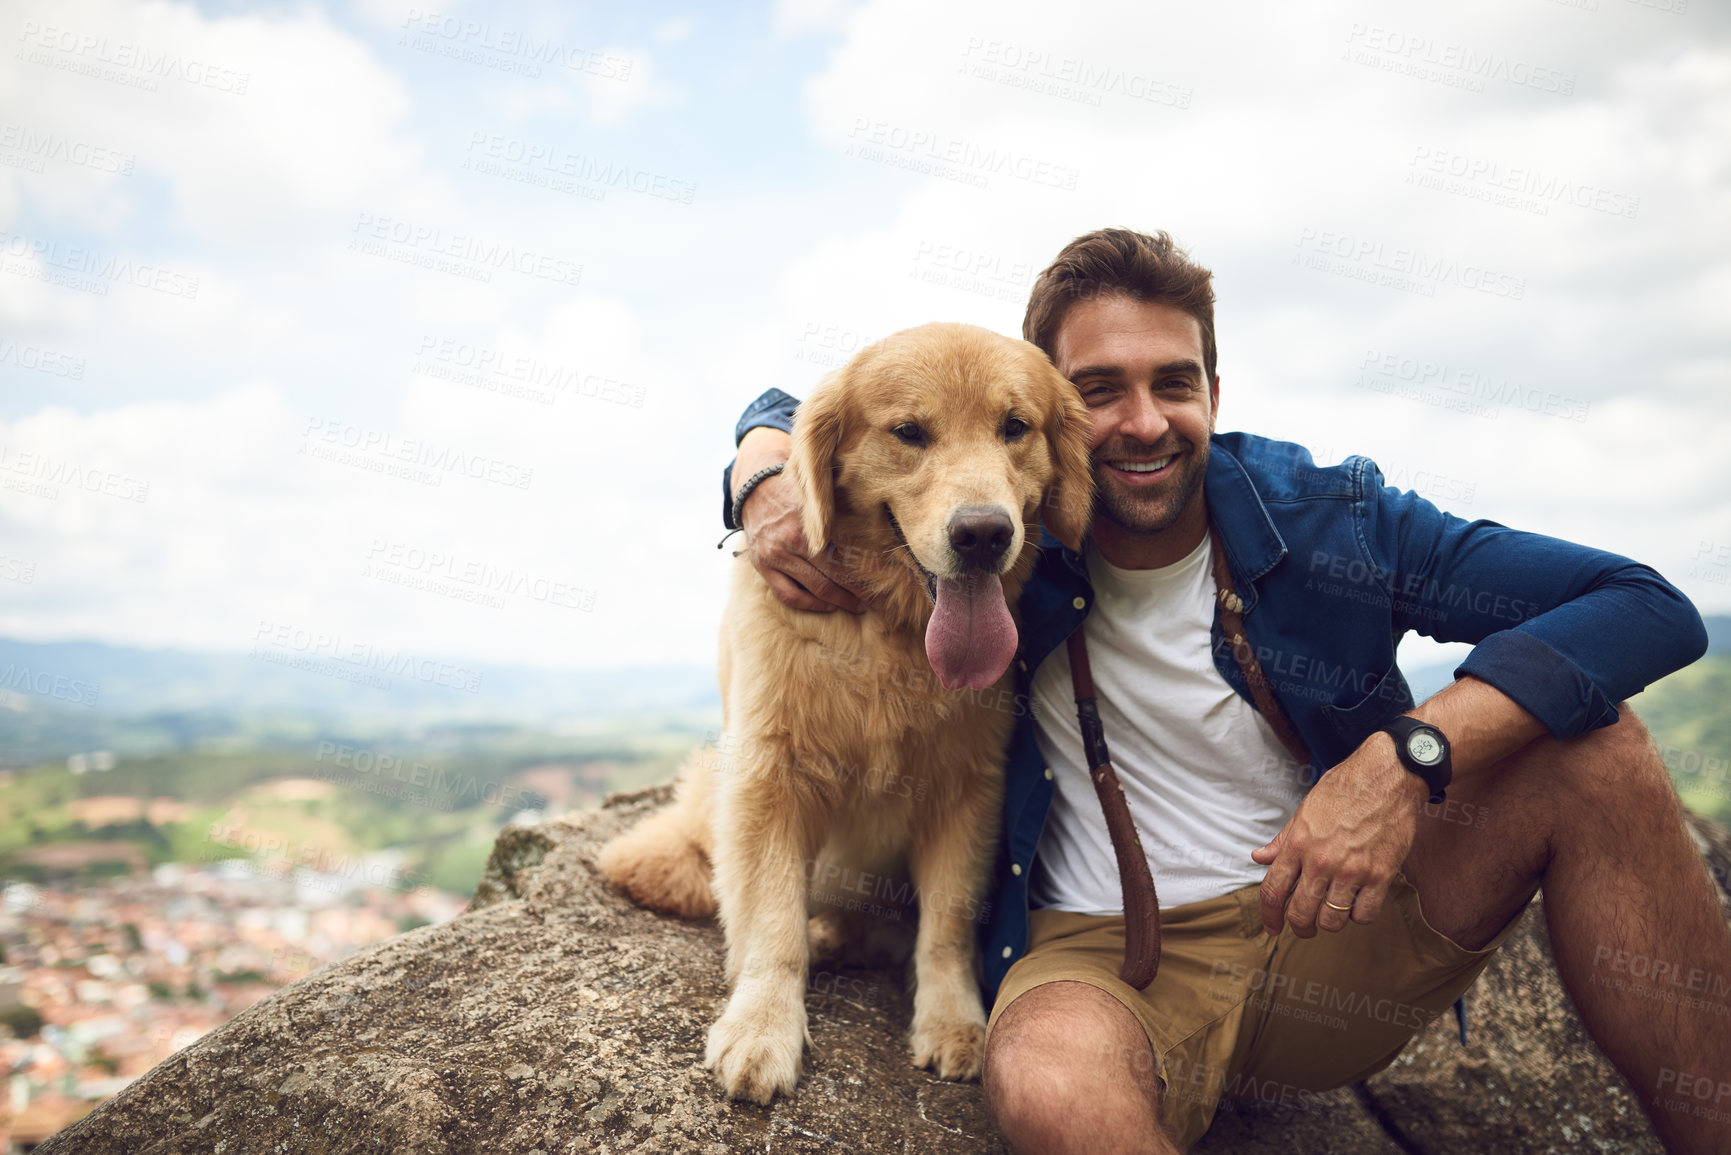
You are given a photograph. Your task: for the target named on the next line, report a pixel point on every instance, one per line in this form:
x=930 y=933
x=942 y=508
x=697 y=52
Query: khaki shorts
x=1234 y=1014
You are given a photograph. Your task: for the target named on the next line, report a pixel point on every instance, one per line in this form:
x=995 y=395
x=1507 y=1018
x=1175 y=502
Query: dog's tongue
x=970 y=639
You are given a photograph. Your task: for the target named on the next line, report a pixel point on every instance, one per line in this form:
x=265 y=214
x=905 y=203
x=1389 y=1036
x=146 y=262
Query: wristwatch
x=1424 y=750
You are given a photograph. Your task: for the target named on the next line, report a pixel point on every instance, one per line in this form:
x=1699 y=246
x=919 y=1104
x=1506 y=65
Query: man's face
x=1138 y=367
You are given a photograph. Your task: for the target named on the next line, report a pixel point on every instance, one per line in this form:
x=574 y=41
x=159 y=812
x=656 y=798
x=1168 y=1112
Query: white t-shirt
x=1206 y=778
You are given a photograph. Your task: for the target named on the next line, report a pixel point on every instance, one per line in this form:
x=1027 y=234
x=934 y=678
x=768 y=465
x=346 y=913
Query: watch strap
x=1436 y=777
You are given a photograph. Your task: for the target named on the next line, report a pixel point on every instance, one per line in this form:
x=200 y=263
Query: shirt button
x=1048 y=773
x=1008 y=952
x=1015 y=868
x=1080 y=603
x=1021 y=665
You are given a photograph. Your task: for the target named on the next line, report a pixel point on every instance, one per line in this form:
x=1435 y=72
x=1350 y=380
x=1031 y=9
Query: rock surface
x=554 y=1017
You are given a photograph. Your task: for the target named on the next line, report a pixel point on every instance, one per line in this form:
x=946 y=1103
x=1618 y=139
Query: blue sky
x=337 y=318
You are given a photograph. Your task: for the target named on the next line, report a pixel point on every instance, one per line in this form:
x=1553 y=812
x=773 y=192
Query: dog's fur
x=848 y=772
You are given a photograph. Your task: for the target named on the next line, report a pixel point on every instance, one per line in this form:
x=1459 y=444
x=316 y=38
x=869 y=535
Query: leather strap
x=1232 y=625
x=1141 y=903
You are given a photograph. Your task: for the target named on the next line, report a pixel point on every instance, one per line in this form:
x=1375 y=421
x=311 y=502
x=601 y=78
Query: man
x=1254 y=853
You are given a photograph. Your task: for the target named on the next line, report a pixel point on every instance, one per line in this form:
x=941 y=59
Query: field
x=437 y=799
x=299 y=790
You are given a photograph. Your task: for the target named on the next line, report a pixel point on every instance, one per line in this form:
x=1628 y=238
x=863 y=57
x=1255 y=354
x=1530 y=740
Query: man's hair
x=1118 y=261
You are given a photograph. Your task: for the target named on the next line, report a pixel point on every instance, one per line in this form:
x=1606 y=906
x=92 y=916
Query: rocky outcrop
x=554 y=1017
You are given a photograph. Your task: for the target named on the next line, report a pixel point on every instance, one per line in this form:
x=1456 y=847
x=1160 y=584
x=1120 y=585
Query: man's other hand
x=1344 y=845
x=774 y=540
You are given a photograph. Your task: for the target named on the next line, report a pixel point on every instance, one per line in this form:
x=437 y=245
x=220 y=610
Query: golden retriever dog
x=861 y=771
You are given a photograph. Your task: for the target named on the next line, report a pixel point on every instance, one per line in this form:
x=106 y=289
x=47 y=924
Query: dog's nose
x=980 y=536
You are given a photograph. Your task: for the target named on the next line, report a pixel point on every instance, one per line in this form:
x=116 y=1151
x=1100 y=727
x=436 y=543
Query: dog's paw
x=954 y=1050
x=658 y=867
x=755 y=1052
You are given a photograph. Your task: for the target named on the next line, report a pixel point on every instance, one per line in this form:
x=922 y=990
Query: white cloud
x=258 y=127
x=794 y=17
x=622 y=86
x=799 y=245
x=673 y=30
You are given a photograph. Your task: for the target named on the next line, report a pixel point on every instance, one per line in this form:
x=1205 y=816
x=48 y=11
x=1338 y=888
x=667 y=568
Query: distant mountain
x=58 y=698
x=61 y=697
x=1689 y=716
x=1718 y=633
x=132 y=682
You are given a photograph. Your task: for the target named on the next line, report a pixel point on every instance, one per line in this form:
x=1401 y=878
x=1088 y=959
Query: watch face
x=1424 y=748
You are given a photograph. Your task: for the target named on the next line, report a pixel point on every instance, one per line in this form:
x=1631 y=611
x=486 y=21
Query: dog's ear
x=818 y=425
x=1067 y=506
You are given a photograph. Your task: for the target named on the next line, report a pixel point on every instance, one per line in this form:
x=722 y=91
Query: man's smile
x=1139 y=471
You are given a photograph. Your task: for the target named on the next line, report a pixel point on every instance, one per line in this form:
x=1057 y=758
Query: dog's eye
x=909 y=433
x=1014 y=428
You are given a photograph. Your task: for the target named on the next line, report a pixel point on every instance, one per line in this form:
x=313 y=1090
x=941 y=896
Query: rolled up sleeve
x=1565 y=630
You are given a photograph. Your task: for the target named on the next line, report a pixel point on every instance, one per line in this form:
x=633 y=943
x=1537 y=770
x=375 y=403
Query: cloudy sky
x=426 y=327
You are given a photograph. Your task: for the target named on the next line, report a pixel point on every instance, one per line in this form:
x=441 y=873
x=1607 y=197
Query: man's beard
x=1147 y=512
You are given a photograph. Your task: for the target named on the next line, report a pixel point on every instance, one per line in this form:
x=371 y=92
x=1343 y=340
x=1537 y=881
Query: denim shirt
x=1334 y=569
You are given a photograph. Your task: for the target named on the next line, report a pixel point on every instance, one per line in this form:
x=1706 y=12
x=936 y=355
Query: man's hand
x=1354 y=829
x=773 y=538
x=1344 y=844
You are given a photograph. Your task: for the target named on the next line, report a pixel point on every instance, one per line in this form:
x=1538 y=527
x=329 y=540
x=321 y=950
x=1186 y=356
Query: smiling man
x=1335 y=864
x=1150 y=441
